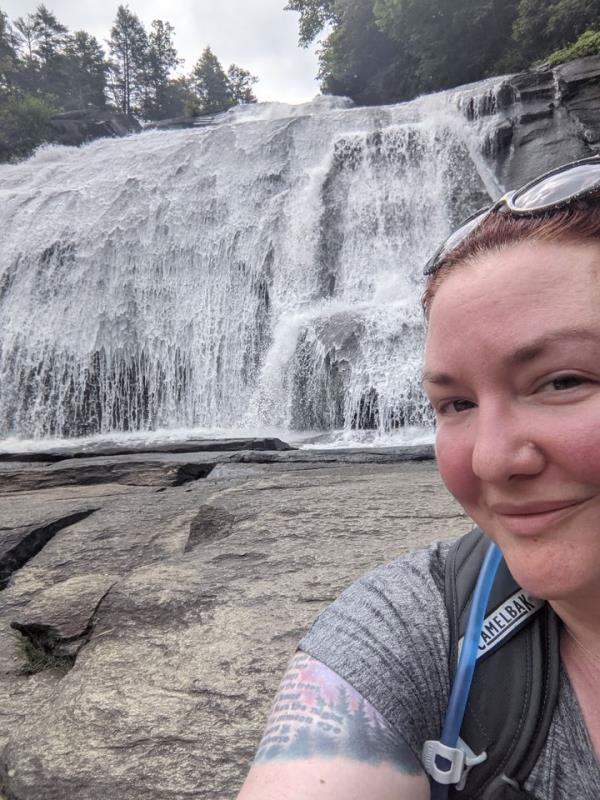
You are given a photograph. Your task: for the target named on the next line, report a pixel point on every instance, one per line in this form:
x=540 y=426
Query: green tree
x=8 y=56
x=162 y=60
x=315 y=16
x=451 y=42
x=358 y=60
x=50 y=36
x=42 y=42
x=87 y=70
x=129 y=67
x=210 y=84
x=24 y=125
x=25 y=28
x=240 y=85
x=542 y=27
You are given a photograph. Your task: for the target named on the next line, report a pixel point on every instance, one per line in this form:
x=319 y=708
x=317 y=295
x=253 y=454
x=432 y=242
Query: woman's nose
x=504 y=446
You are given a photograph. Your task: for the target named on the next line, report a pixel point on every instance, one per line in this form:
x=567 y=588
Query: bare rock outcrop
x=142 y=636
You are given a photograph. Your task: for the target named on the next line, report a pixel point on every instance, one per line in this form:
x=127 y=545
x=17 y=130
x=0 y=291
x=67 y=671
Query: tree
x=129 y=48
x=541 y=28
x=50 y=36
x=358 y=60
x=87 y=69
x=452 y=42
x=315 y=16
x=8 y=56
x=210 y=84
x=26 y=34
x=162 y=60
x=24 y=124
x=240 y=85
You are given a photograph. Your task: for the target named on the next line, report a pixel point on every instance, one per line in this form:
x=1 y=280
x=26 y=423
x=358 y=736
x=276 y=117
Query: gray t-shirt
x=387 y=635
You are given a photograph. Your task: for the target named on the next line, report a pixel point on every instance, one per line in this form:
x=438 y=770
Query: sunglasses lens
x=454 y=240
x=559 y=188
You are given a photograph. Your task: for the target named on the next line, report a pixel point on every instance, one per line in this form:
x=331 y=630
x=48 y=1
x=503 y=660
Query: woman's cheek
x=455 y=466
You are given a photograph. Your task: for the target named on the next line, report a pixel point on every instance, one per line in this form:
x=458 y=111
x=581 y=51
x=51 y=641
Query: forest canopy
x=385 y=51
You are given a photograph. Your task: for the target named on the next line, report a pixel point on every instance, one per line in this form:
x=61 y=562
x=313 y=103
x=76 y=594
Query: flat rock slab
x=170 y=612
x=78 y=449
x=174 y=469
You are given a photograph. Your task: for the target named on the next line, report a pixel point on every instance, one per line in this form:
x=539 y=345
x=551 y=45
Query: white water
x=259 y=275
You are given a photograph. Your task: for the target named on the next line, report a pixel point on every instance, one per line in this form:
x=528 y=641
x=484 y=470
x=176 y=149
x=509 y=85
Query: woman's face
x=512 y=369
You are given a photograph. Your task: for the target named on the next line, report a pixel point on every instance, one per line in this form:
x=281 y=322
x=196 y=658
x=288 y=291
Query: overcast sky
x=256 y=34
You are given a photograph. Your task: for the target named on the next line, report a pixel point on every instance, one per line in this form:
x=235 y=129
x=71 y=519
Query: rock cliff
x=538 y=119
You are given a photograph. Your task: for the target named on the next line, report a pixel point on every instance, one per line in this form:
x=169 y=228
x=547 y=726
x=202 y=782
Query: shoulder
x=387 y=636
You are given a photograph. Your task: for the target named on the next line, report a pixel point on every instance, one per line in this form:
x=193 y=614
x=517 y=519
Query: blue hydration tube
x=467 y=659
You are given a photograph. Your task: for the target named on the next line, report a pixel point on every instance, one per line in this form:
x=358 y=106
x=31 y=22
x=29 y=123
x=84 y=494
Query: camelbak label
x=506 y=620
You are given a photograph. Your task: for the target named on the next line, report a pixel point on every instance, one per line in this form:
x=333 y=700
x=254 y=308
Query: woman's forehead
x=516 y=296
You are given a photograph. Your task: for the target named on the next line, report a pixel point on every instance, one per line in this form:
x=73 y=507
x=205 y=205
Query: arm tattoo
x=318 y=714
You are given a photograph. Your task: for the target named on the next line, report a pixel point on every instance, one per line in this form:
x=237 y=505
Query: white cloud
x=256 y=34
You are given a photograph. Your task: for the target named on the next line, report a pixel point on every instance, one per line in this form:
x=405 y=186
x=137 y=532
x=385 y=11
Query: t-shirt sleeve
x=387 y=636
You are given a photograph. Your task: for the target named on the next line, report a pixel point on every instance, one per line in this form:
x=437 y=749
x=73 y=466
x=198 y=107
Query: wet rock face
x=142 y=642
x=78 y=127
x=539 y=119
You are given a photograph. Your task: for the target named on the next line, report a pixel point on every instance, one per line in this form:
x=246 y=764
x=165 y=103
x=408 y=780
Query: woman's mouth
x=530 y=519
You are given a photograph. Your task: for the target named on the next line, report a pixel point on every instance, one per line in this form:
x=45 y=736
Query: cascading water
x=261 y=273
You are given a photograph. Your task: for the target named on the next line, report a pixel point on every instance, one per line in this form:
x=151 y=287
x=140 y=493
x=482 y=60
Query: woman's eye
x=563 y=382
x=455 y=406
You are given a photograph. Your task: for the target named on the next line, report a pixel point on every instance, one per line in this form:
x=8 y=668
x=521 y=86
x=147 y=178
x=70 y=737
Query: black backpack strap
x=516 y=680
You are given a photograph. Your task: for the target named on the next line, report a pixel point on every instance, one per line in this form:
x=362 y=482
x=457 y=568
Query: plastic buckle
x=460 y=759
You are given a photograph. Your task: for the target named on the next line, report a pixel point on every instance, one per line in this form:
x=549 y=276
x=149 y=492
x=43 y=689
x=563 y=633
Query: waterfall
x=260 y=273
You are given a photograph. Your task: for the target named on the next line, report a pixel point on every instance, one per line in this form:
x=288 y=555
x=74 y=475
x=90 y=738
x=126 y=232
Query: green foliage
x=44 y=69
x=240 y=85
x=314 y=16
x=210 y=84
x=162 y=60
x=540 y=28
x=86 y=72
x=382 y=51
x=360 y=61
x=8 y=55
x=24 y=124
x=588 y=44
x=214 y=90
x=129 y=68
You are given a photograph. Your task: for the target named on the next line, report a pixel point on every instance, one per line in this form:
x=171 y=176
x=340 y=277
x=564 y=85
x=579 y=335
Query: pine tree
x=25 y=27
x=162 y=57
x=8 y=56
x=51 y=36
x=87 y=69
x=210 y=84
x=129 y=68
x=240 y=85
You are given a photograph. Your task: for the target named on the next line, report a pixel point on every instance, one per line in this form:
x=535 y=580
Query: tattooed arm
x=323 y=741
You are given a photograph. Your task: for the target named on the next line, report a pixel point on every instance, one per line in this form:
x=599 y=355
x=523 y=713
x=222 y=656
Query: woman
x=512 y=369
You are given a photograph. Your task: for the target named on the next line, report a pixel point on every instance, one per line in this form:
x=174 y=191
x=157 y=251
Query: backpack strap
x=515 y=686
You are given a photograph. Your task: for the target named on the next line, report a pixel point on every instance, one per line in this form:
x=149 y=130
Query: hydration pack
x=516 y=680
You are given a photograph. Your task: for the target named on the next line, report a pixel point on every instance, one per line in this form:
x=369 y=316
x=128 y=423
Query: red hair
x=578 y=222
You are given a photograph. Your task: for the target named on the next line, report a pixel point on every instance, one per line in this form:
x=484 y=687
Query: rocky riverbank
x=151 y=601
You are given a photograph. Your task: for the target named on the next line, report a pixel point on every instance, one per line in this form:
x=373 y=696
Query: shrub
x=24 y=124
x=588 y=44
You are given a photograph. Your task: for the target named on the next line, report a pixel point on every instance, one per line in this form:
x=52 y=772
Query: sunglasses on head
x=557 y=188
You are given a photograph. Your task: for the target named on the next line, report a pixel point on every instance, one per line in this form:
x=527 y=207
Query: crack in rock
x=33 y=542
